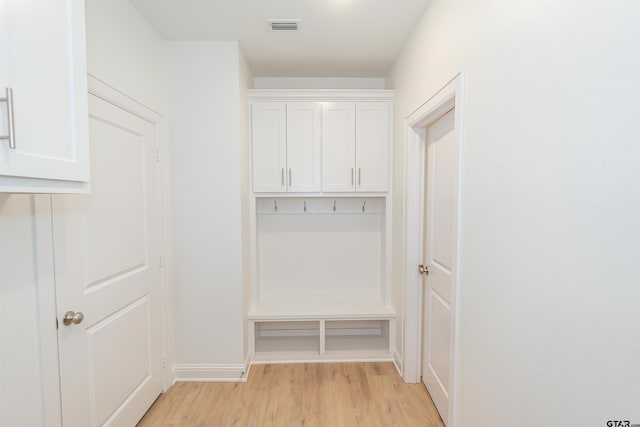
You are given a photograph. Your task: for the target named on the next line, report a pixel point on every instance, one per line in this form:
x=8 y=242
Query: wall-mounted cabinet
x=286 y=146
x=44 y=146
x=355 y=146
x=320 y=141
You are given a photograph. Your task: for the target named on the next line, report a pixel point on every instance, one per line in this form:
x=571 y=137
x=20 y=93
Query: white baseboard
x=397 y=360
x=172 y=378
x=210 y=373
x=247 y=363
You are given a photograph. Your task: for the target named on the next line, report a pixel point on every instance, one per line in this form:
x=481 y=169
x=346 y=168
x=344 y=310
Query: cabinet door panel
x=42 y=48
x=372 y=146
x=338 y=146
x=303 y=146
x=269 y=145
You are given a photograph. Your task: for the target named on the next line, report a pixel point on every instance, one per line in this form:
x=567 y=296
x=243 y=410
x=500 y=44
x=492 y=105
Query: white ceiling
x=338 y=38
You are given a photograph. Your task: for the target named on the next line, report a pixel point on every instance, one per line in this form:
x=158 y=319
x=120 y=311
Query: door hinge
x=161 y=261
x=164 y=361
x=423 y=269
x=157 y=154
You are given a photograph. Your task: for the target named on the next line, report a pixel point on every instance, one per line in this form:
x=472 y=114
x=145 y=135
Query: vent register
x=284 y=24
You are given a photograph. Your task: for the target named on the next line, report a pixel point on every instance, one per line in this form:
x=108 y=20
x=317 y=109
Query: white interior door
x=440 y=257
x=107 y=263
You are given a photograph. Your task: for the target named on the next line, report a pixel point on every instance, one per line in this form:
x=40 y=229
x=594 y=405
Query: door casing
x=48 y=340
x=450 y=96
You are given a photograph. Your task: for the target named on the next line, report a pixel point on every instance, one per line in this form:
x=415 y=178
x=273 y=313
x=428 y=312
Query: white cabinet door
x=303 y=147
x=43 y=62
x=269 y=146
x=338 y=146
x=372 y=146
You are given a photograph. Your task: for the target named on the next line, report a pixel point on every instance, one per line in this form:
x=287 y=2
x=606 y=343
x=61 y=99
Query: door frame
x=48 y=339
x=448 y=97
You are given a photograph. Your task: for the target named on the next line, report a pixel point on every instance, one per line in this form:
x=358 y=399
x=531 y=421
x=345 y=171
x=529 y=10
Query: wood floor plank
x=309 y=395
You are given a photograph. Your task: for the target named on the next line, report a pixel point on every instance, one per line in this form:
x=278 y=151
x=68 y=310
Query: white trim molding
x=320 y=95
x=110 y=94
x=450 y=96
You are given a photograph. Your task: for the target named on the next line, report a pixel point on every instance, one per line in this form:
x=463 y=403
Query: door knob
x=72 y=317
x=423 y=269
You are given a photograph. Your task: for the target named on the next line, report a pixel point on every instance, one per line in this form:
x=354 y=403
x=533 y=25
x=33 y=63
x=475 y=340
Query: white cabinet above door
x=43 y=70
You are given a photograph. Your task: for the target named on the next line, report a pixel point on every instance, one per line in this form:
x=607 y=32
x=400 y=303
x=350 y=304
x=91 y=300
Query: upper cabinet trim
x=320 y=95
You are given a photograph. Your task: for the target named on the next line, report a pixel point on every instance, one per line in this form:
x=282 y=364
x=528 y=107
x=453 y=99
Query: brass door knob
x=72 y=317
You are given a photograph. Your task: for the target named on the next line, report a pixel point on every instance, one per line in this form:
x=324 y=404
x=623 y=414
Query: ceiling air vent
x=284 y=25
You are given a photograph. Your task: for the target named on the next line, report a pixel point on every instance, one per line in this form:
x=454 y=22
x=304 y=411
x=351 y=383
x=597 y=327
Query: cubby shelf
x=321 y=340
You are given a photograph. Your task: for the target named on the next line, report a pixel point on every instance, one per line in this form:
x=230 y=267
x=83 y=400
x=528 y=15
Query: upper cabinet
x=355 y=146
x=269 y=146
x=338 y=146
x=44 y=141
x=373 y=135
x=320 y=141
x=286 y=146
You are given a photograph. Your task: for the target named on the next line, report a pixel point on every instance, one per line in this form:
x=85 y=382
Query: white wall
x=208 y=168
x=124 y=51
x=28 y=319
x=318 y=83
x=549 y=297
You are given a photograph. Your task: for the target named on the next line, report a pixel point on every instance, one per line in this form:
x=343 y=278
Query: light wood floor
x=327 y=395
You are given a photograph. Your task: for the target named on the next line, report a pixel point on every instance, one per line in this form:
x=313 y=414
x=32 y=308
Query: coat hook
x=334 y=205
x=363 y=205
x=305 y=205
x=275 y=206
